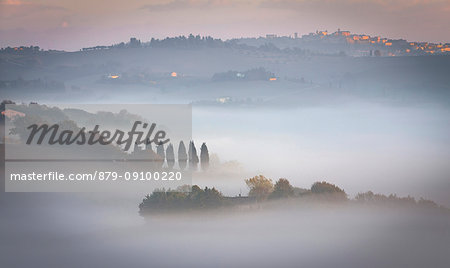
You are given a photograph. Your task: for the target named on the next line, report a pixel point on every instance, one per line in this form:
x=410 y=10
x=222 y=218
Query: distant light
x=174 y=74
x=223 y=99
x=273 y=79
x=113 y=76
x=388 y=44
x=12 y=114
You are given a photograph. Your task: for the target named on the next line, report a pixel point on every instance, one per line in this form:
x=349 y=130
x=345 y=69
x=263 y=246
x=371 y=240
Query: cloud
x=27 y=6
x=193 y=4
x=387 y=5
x=12 y=10
x=11 y=2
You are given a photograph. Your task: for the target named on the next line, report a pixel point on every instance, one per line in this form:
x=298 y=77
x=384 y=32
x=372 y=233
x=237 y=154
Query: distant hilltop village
x=341 y=43
x=352 y=44
x=399 y=45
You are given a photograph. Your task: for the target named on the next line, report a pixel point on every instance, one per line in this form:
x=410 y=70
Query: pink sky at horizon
x=71 y=25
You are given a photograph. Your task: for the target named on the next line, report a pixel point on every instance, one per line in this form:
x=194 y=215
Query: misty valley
x=326 y=150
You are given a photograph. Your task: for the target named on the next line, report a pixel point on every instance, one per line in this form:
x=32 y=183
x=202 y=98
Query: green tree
x=328 y=188
x=282 y=189
x=207 y=198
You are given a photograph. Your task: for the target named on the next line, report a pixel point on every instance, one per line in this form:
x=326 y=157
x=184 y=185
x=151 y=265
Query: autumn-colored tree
x=260 y=187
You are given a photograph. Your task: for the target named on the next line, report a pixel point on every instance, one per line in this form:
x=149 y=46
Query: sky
x=71 y=25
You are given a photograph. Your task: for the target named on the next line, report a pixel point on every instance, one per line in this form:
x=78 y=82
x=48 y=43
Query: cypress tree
x=170 y=156
x=182 y=156
x=204 y=157
x=193 y=157
x=161 y=154
x=148 y=145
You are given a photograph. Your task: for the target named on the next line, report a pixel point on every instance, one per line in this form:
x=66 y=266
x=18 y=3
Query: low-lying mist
x=376 y=124
x=360 y=146
x=95 y=230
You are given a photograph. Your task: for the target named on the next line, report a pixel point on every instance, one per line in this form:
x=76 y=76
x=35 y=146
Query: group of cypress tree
x=184 y=158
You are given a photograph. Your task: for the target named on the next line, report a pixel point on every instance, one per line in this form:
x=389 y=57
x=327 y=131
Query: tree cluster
x=262 y=189
x=167 y=155
x=187 y=42
x=21 y=50
x=380 y=199
x=193 y=198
